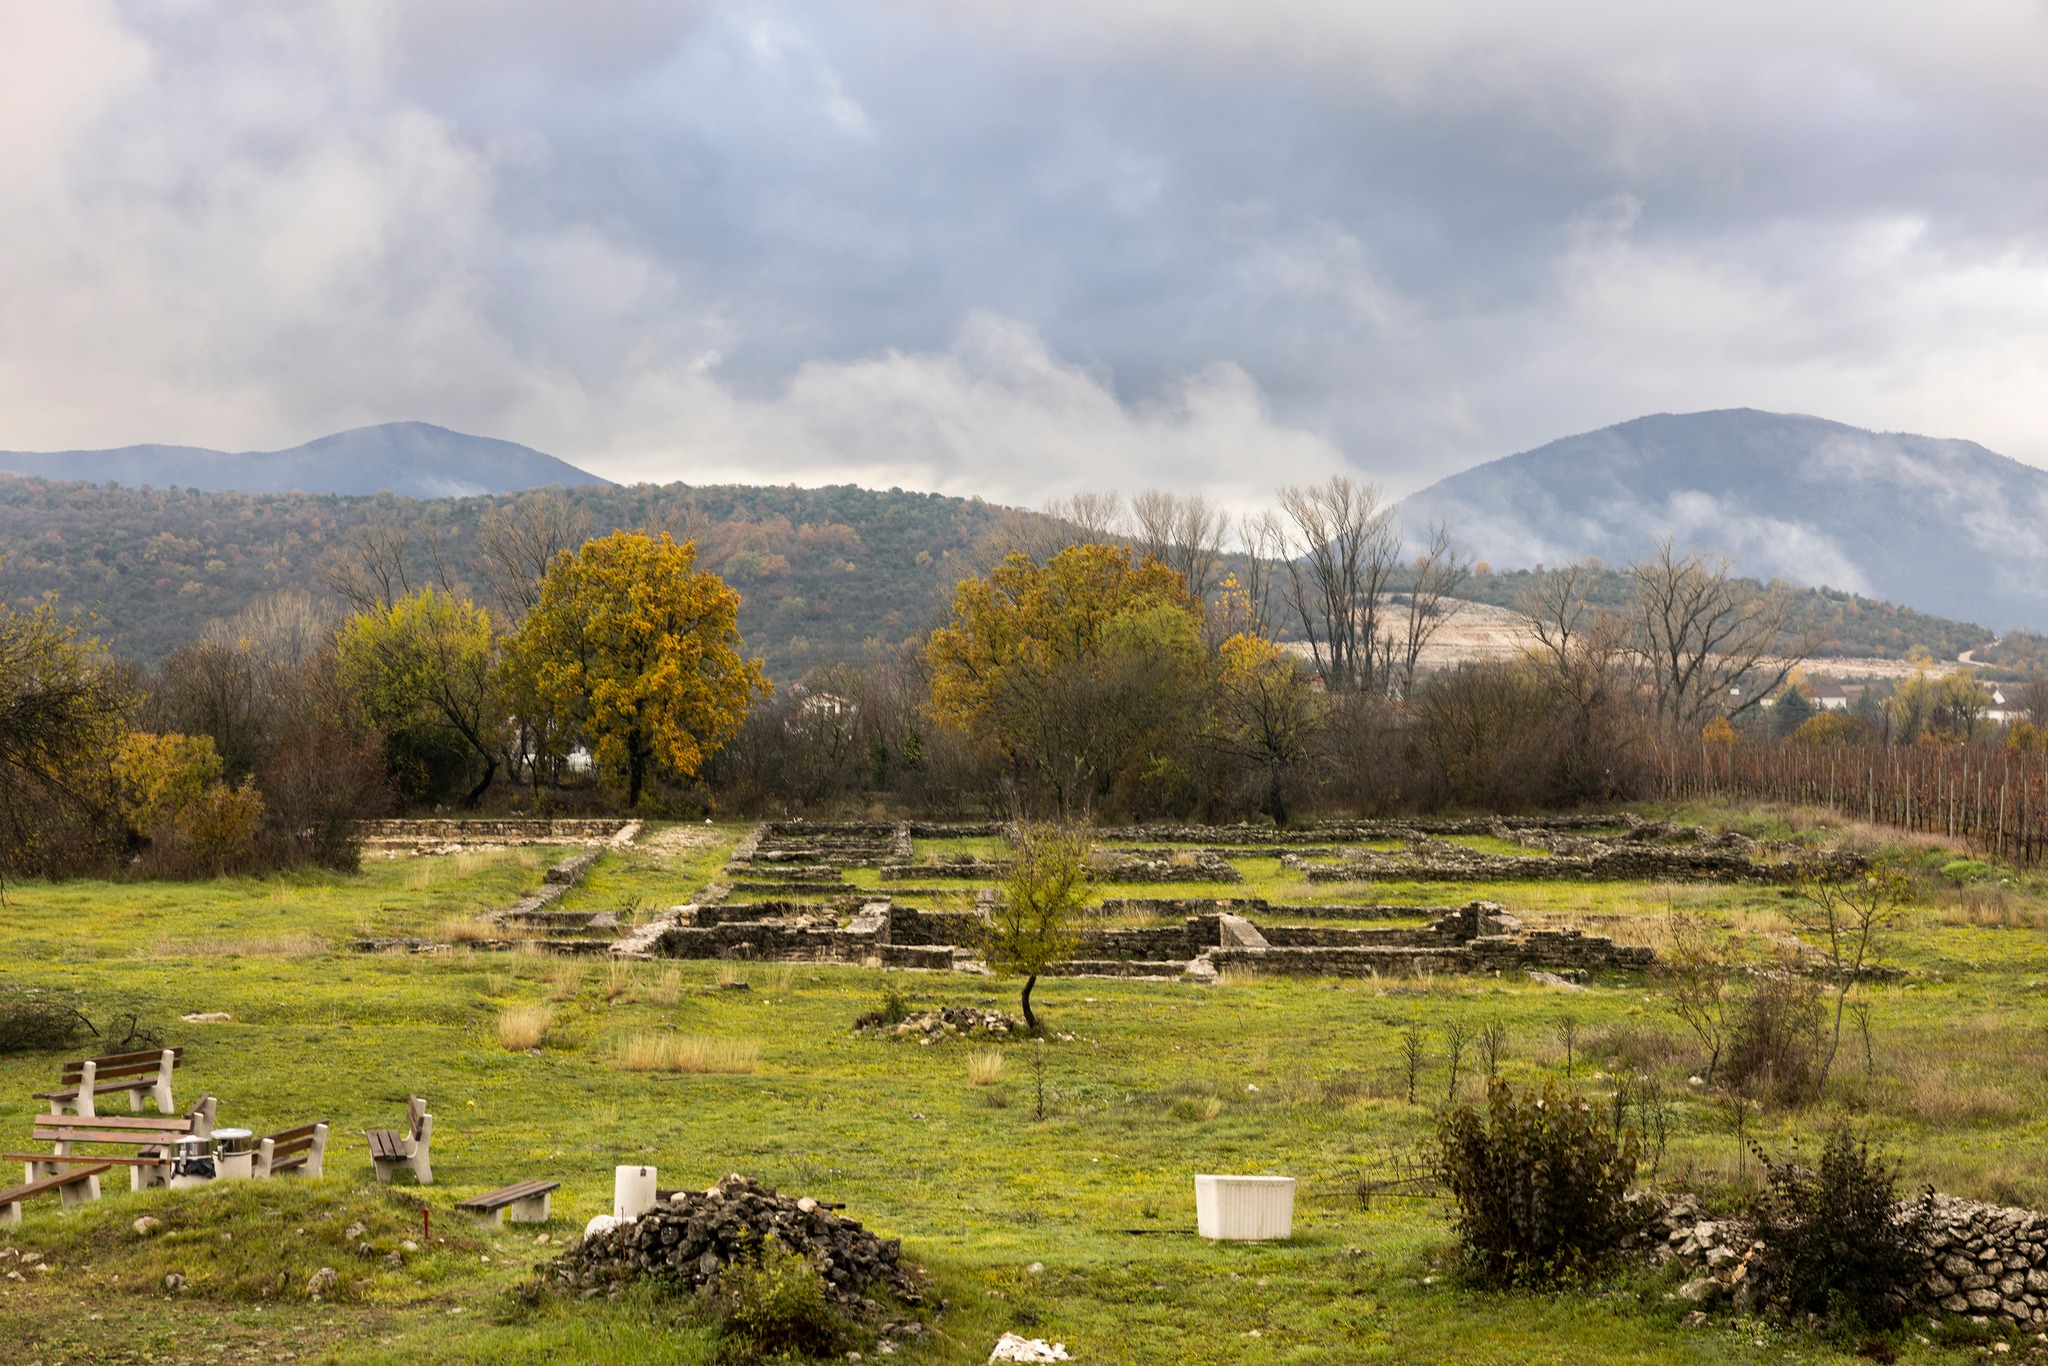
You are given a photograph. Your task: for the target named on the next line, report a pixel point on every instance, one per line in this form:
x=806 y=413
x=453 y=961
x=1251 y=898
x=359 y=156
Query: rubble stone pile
x=688 y=1238
x=1987 y=1261
x=947 y=1022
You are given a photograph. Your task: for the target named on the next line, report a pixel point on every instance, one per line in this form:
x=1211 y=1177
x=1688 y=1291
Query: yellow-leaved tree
x=1079 y=671
x=174 y=797
x=634 y=649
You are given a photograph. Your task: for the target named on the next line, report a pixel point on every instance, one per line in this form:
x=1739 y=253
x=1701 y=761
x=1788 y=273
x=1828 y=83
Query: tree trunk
x=1030 y=1020
x=636 y=770
x=1276 y=804
x=476 y=794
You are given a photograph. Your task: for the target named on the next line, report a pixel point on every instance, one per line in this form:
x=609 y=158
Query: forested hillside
x=821 y=571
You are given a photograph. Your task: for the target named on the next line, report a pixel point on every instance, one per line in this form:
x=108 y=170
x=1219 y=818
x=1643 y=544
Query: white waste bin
x=1244 y=1208
x=632 y=1192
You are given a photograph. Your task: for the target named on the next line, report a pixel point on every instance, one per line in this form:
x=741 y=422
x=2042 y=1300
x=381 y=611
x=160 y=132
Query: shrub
x=1538 y=1181
x=773 y=1307
x=1964 y=871
x=32 y=1023
x=895 y=1009
x=1836 y=1241
x=1774 y=1045
x=524 y=1027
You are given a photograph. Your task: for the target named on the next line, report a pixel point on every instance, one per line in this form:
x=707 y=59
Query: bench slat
x=50 y=1183
x=144 y=1161
x=99 y=1089
x=509 y=1195
x=285 y=1136
x=121 y=1065
x=165 y=1138
x=385 y=1143
x=117 y=1059
x=160 y=1123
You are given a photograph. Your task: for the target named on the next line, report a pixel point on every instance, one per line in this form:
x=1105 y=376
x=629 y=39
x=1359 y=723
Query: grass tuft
x=687 y=1053
x=984 y=1069
x=524 y=1027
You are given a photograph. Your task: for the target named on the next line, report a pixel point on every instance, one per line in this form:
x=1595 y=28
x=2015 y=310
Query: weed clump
x=1538 y=1182
x=773 y=1308
x=1836 y=1240
x=33 y=1023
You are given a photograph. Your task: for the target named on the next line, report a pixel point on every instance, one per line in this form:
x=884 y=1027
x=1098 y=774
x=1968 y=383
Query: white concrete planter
x=1244 y=1208
x=632 y=1191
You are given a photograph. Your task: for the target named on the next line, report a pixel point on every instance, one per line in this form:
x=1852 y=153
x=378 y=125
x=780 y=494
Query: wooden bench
x=74 y=1187
x=151 y=1135
x=147 y=1073
x=293 y=1150
x=527 y=1200
x=391 y=1149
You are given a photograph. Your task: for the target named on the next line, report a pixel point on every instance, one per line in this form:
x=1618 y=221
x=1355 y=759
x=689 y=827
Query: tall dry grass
x=564 y=979
x=523 y=1027
x=985 y=1068
x=687 y=1053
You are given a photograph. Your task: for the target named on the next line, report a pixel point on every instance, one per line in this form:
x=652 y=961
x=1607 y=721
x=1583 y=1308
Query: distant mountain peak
x=412 y=459
x=1946 y=526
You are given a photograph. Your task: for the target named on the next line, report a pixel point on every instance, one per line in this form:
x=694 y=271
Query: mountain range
x=413 y=459
x=1945 y=526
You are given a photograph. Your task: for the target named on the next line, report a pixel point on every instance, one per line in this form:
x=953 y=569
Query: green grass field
x=1297 y=1076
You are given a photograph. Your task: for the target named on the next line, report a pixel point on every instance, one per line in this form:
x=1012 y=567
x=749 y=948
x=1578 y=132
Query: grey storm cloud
x=1017 y=250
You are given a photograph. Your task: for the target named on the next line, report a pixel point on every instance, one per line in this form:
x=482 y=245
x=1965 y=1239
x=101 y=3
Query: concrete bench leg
x=79 y=1192
x=532 y=1210
x=10 y=1213
x=385 y=1166
x=142 y=1178
x=422 y=1167
x=316 y=1155
x=265 y=1154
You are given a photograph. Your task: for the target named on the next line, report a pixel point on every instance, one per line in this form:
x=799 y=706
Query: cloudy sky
x=1018 y=249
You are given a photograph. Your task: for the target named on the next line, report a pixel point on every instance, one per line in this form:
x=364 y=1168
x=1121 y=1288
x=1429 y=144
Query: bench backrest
x=415 y=1115
x=116 y=1065
x=289 y=1141
x=153 y=1130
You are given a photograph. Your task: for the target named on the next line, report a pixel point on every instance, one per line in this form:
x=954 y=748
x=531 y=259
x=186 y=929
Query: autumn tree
x=426 y=668
x=1034 y=923
x=635 y=649
x=1075 y=671
x=63 y=709
x=1265 y=715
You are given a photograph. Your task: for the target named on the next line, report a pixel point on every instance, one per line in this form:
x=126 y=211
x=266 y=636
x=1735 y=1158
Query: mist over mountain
x=414 y=459
x=1945 y=526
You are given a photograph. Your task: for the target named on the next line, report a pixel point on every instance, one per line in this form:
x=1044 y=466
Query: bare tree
x=1587 y=651
x=1262 y=541
x=1342 y=550
x=2032 y=697
x=1182 y=532
x=1695 y=975
x=378 y=570
x=519 y=541
x=1851 y=922
x=1432 y=600
x=1701 y=633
